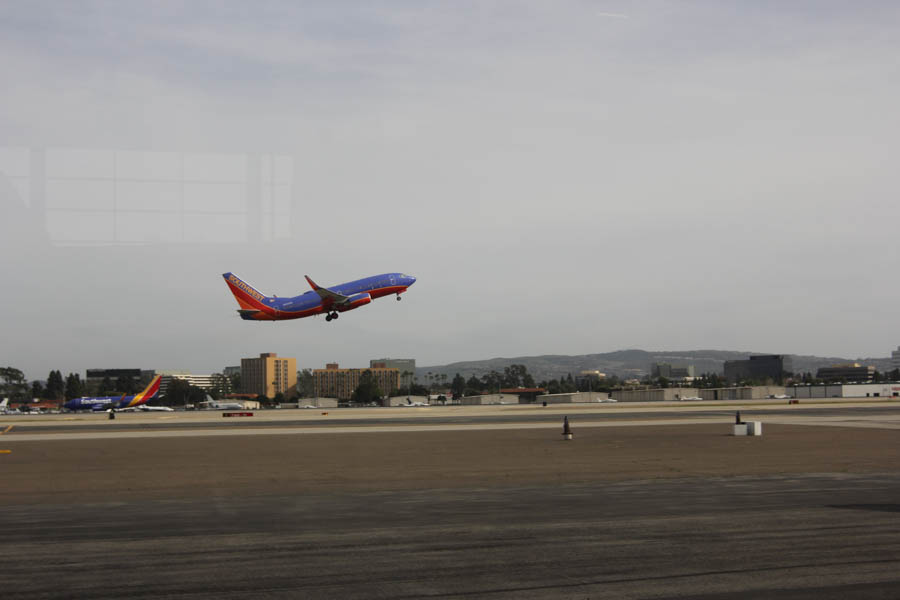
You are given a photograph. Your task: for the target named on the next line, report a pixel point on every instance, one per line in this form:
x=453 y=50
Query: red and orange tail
x=248 y=297
x=148 y=392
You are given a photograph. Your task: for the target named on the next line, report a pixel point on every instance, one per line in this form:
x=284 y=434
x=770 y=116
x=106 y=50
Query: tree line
x=14 y=386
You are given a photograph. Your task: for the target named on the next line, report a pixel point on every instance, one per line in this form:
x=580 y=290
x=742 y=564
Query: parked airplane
x=115 y=402
x=211 y=404
x=4 y=406
x=256 y=306
x=148 y=408
x=411 y=403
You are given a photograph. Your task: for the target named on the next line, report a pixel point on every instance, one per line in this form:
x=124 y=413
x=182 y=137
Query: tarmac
x=650 y=507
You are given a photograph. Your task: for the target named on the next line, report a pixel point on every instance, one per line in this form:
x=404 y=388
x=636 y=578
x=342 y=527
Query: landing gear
x=399 y=298
x=331 y=316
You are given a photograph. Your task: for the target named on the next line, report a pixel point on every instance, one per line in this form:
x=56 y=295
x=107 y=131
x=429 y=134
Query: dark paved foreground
x=822 y=536
x=632 y=512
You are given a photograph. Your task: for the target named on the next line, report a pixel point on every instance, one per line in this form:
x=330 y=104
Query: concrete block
x=754 y=427
x=740 y=429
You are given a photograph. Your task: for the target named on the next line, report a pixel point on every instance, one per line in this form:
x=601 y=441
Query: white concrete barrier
x=754 y=427
x=740 y=429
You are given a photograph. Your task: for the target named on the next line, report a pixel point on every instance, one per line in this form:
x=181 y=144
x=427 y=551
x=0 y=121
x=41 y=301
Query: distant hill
x=629 y=363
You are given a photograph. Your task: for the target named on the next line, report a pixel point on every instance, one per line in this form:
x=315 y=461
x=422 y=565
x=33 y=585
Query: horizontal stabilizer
x=247 y=312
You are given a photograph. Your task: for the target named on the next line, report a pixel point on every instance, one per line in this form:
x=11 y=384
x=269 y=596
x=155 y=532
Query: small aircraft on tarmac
x=148 y=408
x=256 y=306
x=115 y=402
x=210 y=404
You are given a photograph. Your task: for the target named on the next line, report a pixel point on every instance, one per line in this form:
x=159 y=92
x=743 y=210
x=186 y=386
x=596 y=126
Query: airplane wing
x=327 y=295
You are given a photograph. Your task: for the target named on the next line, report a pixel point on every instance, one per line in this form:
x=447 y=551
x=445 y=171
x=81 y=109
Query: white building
x=489 y=399
x=895 y=359
x=846 y=390
x=205 y=382
x=573 y=398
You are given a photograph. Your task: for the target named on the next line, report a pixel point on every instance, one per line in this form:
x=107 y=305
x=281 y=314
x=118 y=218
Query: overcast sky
x=562 y=177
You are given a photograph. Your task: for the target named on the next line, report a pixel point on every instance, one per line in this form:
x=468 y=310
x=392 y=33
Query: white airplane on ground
x=147 y=408
x=4 y=406
x=209 y=403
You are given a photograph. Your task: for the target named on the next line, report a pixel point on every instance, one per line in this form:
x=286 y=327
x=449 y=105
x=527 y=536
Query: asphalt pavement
x=824 y=536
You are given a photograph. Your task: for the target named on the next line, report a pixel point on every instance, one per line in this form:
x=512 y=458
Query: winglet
x=312 y=283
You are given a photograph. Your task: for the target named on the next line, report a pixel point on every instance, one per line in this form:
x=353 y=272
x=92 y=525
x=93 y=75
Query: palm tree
x=407 y=375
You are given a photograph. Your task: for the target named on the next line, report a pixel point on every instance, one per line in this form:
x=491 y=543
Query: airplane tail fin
x=148 y=392
x=248 y=297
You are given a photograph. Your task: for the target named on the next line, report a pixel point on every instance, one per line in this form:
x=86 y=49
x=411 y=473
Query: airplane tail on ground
x=148 y=392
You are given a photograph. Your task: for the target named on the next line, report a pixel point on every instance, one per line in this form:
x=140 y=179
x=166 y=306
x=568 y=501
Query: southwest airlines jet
x=115 y=402
x=256 y=306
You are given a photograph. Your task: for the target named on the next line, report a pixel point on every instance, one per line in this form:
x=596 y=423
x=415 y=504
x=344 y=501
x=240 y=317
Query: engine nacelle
x=355 y=301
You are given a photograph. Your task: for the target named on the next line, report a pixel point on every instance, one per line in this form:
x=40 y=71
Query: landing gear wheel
x=327 y=317
x=399 y=298
x=334 y=315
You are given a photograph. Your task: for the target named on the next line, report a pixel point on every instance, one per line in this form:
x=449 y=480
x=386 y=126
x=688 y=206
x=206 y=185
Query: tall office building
x=406 y=367
x=268 y=375
x=772 y=366
x=334 y=382
x=895 y=359
x=846 y=372
x=212 y=381
x=671 y=372
x=94 y=377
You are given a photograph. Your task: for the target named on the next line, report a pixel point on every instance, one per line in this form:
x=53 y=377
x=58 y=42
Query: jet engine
x=355 y=301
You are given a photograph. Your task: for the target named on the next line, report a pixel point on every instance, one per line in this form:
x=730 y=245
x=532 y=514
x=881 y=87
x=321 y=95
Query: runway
x=642 y=511
x=883 y=414
x=770 y=537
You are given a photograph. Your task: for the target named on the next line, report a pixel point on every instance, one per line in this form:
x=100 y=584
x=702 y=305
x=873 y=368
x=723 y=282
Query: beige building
x=268 y=375
x=756 y=392
x=334 y=382
x=654 y=395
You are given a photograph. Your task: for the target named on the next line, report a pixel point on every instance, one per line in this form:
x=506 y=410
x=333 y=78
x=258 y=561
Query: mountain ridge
x=630 y=363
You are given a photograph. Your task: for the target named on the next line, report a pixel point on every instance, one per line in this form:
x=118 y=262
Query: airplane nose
x=412 y=279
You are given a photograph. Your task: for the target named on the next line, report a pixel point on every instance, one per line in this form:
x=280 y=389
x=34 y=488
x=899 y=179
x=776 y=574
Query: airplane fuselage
x=100 y=403
x=115 y=402
x=258 y=307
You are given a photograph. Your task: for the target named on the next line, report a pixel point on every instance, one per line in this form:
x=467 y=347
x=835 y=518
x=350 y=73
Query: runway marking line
x=7 y=429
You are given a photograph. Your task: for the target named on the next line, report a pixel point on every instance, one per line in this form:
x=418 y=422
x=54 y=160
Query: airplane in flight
x=331 y=301
x=115 y=402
